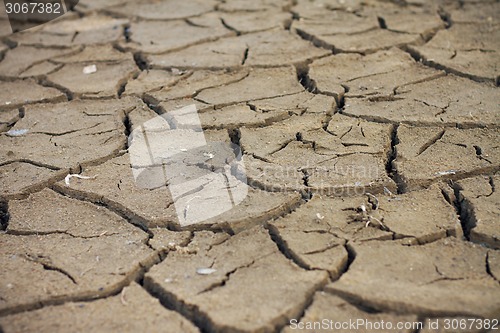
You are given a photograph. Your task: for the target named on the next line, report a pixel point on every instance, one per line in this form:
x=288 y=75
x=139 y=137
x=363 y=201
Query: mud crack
x=464 y=211
x=49 y=266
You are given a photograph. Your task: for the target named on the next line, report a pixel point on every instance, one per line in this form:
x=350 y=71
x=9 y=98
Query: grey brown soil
x=370 y=133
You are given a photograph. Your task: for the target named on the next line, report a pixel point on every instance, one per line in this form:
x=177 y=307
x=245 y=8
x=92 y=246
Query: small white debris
x=205 y=271
x=183 y=150
x=387 y=191
x=319 y=216
x=444 y=173
x=123 y=299
x=91 y=69
x=176 y=71
x=10 y=286
x=209 y=155
x=19 y=132
x=185 y=249
x=68 y=177
x=168 y=280
x=8 y=103
x=363 y=208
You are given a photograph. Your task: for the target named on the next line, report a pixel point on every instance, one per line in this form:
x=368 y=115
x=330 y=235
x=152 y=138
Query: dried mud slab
x=254 y=6
x=256 y=113
x=247 y=22
x=378 y=77
x=106 y=82
x=152 y=207
x=478 y=12
x=425 y=155
x=259 y=84
x=165 y=240
x=444 y=101
x=219 y=88
x=92 y=29
x=94 y=54
x=115 y=187
x=315 y=250
x=300 y=103
x=116 y=313
x=17 y=94
x=418 y=217
x=336 y=158
x=239 y=115
x=321 y=8
x=192 y=84
x=343 y=31
x=444 y=278
x=164 y=10
x=316 y=21
x=257 y=208
x=18 y=178
x=144 y=35
x=39 y=70
x=370 y=41
x=469 y=50
x=424 y=21
x=274 y=48
x=80 y=132
x=22 y=58
x=219 y=300
x=153 y=80
x=268 y=48
x=338 y=311
x=67 y=267
x=48 y=212
x=480 y=204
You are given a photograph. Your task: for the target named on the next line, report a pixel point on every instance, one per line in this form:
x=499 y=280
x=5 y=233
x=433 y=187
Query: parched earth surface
x=370 y=137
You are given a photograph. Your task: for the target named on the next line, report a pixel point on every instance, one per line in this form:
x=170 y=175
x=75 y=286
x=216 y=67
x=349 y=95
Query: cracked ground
x=370 y=135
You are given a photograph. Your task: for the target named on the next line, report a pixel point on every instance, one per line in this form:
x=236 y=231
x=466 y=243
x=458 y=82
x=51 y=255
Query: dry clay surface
x=370 y=135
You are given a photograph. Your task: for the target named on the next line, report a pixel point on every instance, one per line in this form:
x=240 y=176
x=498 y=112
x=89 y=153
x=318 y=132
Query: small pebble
x=89 y=69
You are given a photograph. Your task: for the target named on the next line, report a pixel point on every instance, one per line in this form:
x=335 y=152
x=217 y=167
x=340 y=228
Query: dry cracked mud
x=367 y=133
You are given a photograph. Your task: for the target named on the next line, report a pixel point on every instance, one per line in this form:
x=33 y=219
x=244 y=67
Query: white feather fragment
x=444 y=173
x=68 y=178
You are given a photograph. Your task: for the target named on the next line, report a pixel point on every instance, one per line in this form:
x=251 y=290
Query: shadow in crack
x=4 y=214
